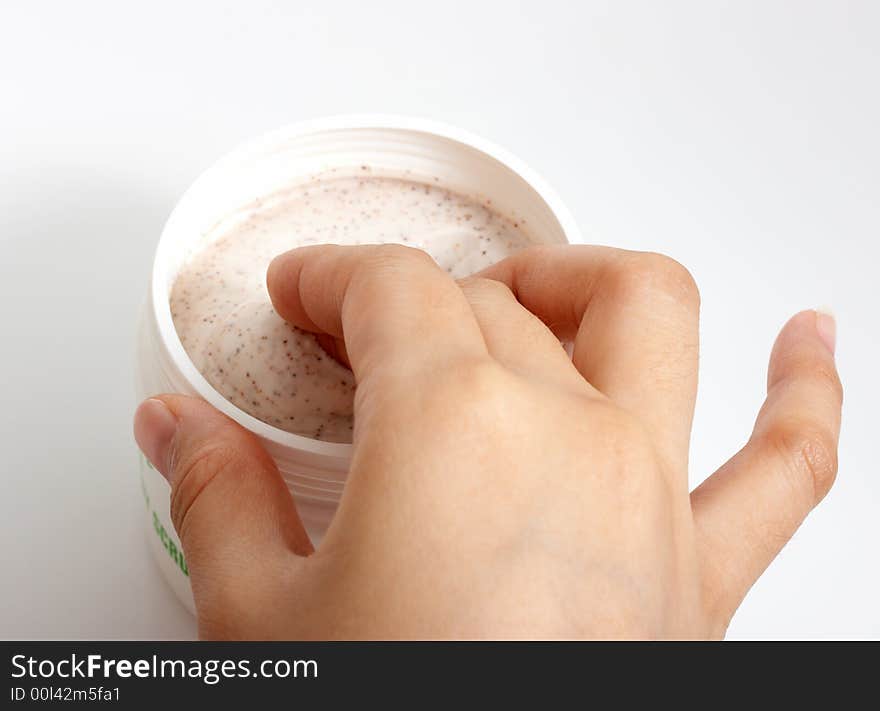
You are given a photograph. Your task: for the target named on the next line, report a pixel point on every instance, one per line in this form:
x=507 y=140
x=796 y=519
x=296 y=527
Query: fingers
x=749 y=509
x=232 y=511
x=516 y=338
x=393 y=304
x=634 y=319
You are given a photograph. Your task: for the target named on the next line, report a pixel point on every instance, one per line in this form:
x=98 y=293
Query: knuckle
x=397 y=255
x=809 y=453
x=458 y=392
x=823 y=376
x=479 y=388
x=626 y=441
x=541 y=260
x=826 y=378
x=477 y=380
x=645 y=275
x=453 y=401
x=193 y=474
x=541 y=252
x=479 y=288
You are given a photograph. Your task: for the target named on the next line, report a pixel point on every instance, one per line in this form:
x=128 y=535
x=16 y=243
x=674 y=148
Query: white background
x=739 y=137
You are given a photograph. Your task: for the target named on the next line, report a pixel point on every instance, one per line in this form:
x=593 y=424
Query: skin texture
x=500 y=489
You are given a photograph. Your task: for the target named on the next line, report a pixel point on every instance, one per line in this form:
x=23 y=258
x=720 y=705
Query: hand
x=499 y=488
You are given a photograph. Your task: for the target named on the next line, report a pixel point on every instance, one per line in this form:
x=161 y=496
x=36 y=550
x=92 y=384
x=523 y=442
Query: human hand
x=499 y=488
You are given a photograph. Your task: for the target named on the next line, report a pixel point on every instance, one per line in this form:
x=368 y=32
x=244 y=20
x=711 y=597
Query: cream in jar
x=266 y=367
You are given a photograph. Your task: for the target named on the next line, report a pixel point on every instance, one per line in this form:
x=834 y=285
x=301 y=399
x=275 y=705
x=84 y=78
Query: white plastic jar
x=314 y=471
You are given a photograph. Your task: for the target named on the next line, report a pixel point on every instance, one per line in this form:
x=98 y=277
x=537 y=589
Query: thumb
x=232 y=511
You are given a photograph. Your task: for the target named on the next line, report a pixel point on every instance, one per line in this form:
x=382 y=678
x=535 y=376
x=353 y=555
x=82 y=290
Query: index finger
x=392 y=305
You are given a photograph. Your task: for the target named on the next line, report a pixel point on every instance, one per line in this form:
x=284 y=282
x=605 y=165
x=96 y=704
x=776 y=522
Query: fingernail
x=154 y=428
x=826 y=325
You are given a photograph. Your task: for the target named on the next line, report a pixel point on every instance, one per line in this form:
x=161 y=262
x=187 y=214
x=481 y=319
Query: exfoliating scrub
x=266 y=367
